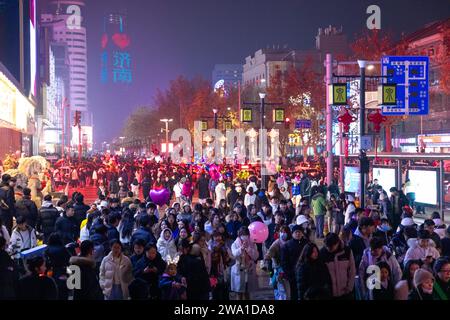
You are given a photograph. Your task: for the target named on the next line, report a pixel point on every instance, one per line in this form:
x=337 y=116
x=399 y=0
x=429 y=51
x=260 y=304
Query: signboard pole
x=362 y=127
x=441 y=188
x=261 y=144
x=329 y=123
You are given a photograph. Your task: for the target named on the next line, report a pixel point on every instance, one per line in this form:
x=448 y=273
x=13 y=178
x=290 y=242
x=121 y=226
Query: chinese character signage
x=246 y=115
x=116 y=60
x=387 y=94
x=278 y=115
x=228 y=125
x=338 y=94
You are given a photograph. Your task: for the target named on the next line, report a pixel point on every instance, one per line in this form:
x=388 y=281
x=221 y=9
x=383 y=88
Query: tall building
x=67 y=20
x=18 y=75
x=226 y=76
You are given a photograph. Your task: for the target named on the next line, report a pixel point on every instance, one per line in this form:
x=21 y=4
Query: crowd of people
x=197 y=245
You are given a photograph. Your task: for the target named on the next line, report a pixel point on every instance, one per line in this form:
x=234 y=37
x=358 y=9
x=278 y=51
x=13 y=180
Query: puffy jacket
x=48 y=215
x=151 y=278
x=290 y=252
x=368 y=260
x=203 y=188
x=57 y=259
x=90 y=287
x=80 y=212
x=113 y=233
x=166 y=248
x=415 y=252
x=318 y=204
x=67 y=229
x=311 y=276
x=21 y=240
x=341 y=267
x=144 y=234
x=194 y=270
x=358 y=244
x=107 y=269
x=296 y=189
x=36 y=287
x=7 y=277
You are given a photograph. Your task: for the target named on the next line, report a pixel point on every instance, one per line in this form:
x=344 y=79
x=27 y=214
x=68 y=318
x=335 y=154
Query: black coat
x=57 y=259
x=80 y=212
x=47 y=220
x=313 y=277
x=203 y=188
x=151 y=278
x=35 y=287
x=27 y=208
x=67 y=228
x=194 y=270
x=289 y=254
x=358 y=246
x=113 y=233
x=8 y=277
x=418 y=294
x=90 y=286
x=146 y=187
x=445 y=243
x=7 y=196
x=232 y=197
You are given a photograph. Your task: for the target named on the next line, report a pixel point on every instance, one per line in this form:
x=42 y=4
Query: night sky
x=188 y=37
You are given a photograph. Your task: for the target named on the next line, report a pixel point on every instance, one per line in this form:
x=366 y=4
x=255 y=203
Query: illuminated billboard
x=424 y=180
x=33 y=48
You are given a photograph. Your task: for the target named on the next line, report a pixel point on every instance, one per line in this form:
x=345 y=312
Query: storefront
x=435 y=143
x=17 y=124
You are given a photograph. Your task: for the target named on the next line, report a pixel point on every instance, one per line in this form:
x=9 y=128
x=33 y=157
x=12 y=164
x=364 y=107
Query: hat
x=6 y=178
x=297 y=228
x=350 y=198
x=407 y=222
x=301 y=219
x=422 y=275
x=103 y=204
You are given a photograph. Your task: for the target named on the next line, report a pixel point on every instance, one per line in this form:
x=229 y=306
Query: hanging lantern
x=346 y=119
x=377 y=119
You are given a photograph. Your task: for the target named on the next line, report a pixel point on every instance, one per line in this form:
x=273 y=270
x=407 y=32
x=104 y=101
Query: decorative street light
x=166 y=121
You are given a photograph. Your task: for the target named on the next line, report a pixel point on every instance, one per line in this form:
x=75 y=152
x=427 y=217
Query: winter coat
x=166 y=248
x=7 y=277
x=113 y=187
x=341 y=267
x=221 y=192
x=67 y=228
x=203 y=188
x=417 y=294
x=441 y=290
x=274 y=253
x=233 y=228
x=290 y=253
x=305 y=187
x=146 y=187
x=57 y=259
x=311 y=276
x=349 y=211
x=48 y=215
x=232 y=197
x=80 y=212
x=399 y=246
x=187 y=189
x=296 y=189
x=243 y=272
x=37 y=287
x=168 y=292
x=21 y=240
x=358 y=244
x=90 y=287
x=368 y=260
x=194 y=270
x=27 y=208
x=145 y=234
x=152 y=278
x=107 y=269
x=113 y=233
x=401 y=290
x=318 y=204
x=7 y=195
x=415 y=252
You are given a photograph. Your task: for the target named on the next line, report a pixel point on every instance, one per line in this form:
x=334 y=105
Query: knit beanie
x=421 y=275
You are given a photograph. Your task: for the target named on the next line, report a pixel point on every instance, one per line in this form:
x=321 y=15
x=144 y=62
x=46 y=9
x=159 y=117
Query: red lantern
x=346 y=119
x=377 y=119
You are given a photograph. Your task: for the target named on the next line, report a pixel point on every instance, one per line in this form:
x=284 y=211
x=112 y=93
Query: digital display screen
x=424 y=184
x=351 y=179
x=33 y=48
x=386 y=177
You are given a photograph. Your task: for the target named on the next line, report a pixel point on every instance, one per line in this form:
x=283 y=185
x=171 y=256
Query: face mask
x=386 y=228
x=427 y=291
x=244 y=238
x=283 y=236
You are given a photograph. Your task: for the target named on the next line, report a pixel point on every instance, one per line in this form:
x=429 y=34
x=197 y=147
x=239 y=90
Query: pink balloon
x=258 y=232
x=160 y=197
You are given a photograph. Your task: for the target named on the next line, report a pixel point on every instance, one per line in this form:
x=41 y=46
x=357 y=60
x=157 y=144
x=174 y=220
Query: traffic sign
x=303 y=124
x=410 y=74
x=366 y=142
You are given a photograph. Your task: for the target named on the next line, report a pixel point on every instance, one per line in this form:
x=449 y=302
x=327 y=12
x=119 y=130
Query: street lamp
x=362 y=126
x=166 y=121
x=215 y=118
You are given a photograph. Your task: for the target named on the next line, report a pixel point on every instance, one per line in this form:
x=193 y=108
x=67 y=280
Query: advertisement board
x=424 y=183
x=352 y=179
x=386 y=177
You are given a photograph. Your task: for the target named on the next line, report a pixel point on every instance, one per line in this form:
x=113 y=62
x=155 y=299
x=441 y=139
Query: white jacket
x=415 y=252
x=107 y=269
x=177 y=189
x=350 y=209
x=21 y=240
x=249 y=199
x=166 y=248
x=243 y=277
x=221 y=192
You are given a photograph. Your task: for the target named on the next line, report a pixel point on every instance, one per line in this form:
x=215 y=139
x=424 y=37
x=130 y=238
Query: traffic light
x=287 y=123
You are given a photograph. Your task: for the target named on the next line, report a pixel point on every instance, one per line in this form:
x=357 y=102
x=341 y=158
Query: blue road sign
x=303 y=124
x=411 y=76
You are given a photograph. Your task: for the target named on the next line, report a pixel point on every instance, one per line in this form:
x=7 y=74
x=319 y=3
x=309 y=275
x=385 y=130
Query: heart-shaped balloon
x=160 y=197
x=121 y=40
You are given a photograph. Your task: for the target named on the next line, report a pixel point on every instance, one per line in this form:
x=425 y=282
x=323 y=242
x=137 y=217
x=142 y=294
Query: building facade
x=226 y=76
